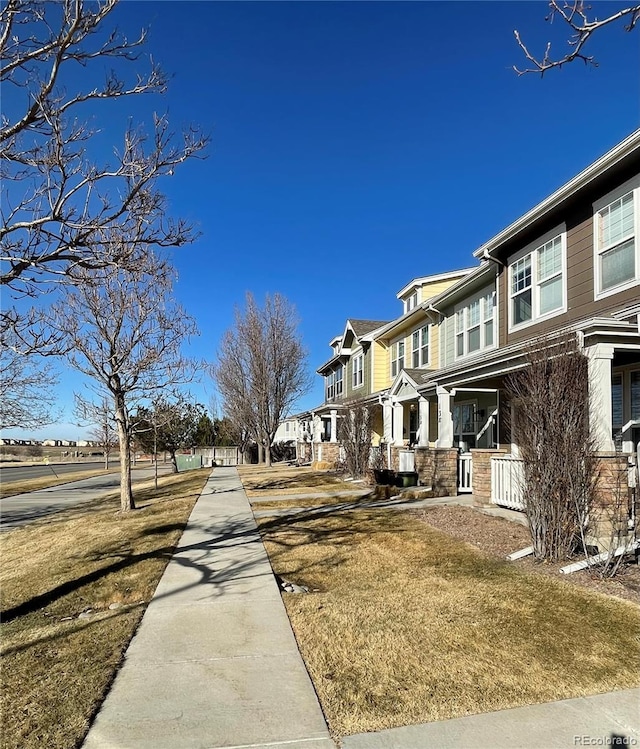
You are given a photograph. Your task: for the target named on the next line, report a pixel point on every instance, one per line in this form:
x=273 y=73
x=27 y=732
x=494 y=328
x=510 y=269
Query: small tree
x=100 y=417
x=261 y=370
x=354 y=433
x=170 y=425
x=551 y=428
x=122 y=331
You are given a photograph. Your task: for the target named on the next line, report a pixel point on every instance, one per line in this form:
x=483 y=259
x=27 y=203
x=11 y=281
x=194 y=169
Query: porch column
x=387 y=421
x=316 y=428
x=445 y=419
x=398 y=423
x=600 y=357
x=423 y=422
x=334 y=425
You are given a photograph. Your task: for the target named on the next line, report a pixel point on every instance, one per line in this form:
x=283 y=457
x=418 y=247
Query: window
x=537 y=282
x=420 y=347
x=397 y=357
x=617 y=419
x=411 y=302
x=635 y=395
x=464 y=425
x=617 y=262
x=358 y=370
x=333 y=383
x=474 y=324
x=338 y=378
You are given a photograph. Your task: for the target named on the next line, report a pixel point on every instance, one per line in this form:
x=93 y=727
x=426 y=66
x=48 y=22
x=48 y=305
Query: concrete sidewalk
x=214 y=662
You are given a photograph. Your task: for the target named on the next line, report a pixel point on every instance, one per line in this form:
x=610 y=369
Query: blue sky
x=358 y=145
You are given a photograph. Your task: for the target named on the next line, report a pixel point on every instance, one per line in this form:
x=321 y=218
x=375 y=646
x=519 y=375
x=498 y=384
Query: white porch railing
x=407 y=461
x=507 y=482
x=465 y=473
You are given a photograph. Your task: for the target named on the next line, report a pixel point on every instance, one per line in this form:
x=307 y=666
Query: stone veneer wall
x=612 y=501
x=436 y=467
x=481 y=460
x=330 y=452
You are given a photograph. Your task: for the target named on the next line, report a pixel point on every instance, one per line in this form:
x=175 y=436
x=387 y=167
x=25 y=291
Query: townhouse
x=436 y=375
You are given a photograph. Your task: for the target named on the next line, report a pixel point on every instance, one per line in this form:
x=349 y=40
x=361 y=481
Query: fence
x=465 y=473
x=507 y=482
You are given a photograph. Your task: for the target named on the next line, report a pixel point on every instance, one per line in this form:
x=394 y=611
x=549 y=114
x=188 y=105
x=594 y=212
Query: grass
x=406 y=625
x=329 y=500
x=56 y=666
x=261 y=481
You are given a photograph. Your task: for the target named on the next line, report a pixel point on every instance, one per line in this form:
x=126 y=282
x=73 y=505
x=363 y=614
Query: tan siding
x=381 y=367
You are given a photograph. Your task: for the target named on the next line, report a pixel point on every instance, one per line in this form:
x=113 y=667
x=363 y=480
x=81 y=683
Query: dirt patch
x=498 y=537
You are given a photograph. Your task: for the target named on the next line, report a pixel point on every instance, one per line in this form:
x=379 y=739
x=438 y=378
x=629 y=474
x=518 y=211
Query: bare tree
x=577 y=15
x=101 y=418
x=552 y=431
x=60 y=198
x=261 y=370
x=354 y=433
x=26 y=386
x=122 y=331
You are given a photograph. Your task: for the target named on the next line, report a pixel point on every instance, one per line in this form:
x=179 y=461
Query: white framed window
x=397 y=357
x=411 y=302
x=333 y=383
x=474 y=325
x=538 y=280
x=420 y=347
x=358 y=371
x=616 y=223
x=338 y=379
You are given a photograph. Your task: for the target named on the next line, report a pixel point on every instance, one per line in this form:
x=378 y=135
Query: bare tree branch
x=576 y=15
x=59 y=204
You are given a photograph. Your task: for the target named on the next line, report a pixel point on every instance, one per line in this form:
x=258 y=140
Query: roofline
x=432 y=279
x=478 y=273
x=594 y=170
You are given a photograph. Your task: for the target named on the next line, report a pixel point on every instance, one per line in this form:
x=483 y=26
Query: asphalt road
x=24 y=508
x=17 y=473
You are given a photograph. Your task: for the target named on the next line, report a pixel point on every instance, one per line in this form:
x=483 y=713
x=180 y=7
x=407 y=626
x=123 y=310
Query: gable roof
x=362 y=327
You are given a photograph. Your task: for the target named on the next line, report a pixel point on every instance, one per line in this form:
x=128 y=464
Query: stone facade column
x=423 y=422
x=398 y=424
x=334 y=425
x=445 y=418
x=600 y=357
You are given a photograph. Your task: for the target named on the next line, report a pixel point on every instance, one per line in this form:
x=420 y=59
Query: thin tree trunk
x=260 y=452
x=174 y=461
x=267 y=454
x=126 y=495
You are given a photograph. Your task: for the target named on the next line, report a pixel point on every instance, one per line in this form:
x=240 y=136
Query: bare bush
x=551 y=429
x=354 y=433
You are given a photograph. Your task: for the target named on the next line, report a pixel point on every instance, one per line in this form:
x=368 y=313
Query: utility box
x=187 y=462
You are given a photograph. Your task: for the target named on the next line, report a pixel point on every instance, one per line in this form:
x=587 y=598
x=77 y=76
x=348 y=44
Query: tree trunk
x=126 y=495
x=267 y=454
x=174 y=462
x=260 y=452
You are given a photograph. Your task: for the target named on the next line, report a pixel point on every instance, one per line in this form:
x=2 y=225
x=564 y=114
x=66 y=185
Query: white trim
x=464 y=308
x=631 y=185
x=357 y=355
x=533 y=249
x=611 y=158
x=418 y=331
x=396 y=360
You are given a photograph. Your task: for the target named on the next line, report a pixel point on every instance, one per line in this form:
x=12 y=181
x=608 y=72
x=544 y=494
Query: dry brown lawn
x=279 y=479
x=406 y=624
x=57 y=666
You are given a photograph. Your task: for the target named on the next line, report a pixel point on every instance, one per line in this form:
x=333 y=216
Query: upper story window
x=411 y=302
x=333 y=382
x=420 y=347
x=397 y=357
x=616 y=247
x=474 y=324
x=358 y=370
x=537 y=281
